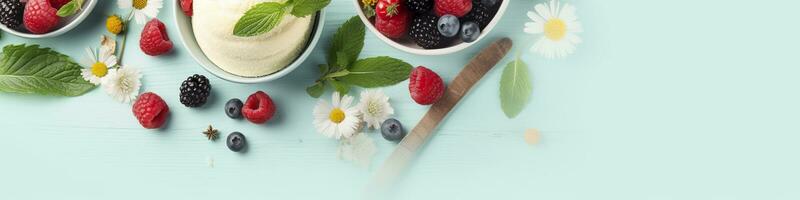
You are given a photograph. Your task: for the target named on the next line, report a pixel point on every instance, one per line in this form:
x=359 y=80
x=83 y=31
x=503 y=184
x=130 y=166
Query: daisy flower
x=123 y=84
x=374 y=107
x=142 y=9
x=558 y=26
x=337 y=120
x=100 y=61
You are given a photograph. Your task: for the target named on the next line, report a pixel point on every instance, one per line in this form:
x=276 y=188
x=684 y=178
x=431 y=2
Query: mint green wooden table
x=664 y=100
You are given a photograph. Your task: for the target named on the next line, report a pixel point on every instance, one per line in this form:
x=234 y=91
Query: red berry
x=186 y=6
x=258 y=108
x=392 y=18
x=154 y=40
x=150 y=110
x=58 y=3
x=459 y=8
x=39 y=17
x=425 y=86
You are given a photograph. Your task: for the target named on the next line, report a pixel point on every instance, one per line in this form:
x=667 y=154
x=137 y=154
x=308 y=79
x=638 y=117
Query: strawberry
x=39 y=16
x=154 y=40
x=425 y=86
x=150 y=110
x=186 y=6
x=392 y=18
x=459 y=8
x=258 y=108
x=58 y=3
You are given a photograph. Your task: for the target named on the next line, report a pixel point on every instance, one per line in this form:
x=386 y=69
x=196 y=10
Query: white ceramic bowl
x=65 y=25
x=411 y=47
x=186 y=34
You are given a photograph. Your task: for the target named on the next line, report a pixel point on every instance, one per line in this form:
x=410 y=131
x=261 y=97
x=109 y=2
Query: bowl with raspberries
x=39 y=18
x=431 y=27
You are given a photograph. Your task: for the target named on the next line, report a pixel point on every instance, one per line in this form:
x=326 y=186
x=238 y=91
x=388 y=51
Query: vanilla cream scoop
x=260 y=55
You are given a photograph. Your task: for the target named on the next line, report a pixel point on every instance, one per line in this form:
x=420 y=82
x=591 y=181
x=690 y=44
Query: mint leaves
x=263 y=17
x=70 y=8
x=515 y=88
x=34 y=70
x=344 y=69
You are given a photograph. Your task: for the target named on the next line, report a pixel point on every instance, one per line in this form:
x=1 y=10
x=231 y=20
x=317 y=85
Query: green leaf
x=338 y=74
x=323 y=69
x=304 y=8
x=349 y=40
x=34 y=70
x=260 y=19
x=515 y=88
x=70 y=8
x=342 y=60
x=316 y=90
x=342 y=88
x=377 y=72
x=369 y=11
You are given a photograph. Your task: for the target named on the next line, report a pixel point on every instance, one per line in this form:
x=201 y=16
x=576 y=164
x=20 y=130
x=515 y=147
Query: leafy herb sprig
x=263 y=17
x=515 y=88
x=70 y=8
x=344 y=69
x=30 y=69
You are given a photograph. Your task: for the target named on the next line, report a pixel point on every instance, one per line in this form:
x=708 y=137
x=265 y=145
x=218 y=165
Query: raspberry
x=459 y=8
x=186 y=6
x=40 y=17
x=154 y=40
x=150 y=110
x=58 y=3
x=425 y=86
x=258 y=108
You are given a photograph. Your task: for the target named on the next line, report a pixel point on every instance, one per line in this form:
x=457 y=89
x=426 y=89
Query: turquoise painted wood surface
x=664 y=100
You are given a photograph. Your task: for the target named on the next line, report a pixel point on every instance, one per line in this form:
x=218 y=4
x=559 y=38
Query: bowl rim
x=431 y=52
x=219 y=72
x=86 y=11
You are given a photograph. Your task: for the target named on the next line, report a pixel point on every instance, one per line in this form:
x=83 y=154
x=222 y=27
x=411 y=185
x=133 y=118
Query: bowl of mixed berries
x=431 y=27
x=43 y=18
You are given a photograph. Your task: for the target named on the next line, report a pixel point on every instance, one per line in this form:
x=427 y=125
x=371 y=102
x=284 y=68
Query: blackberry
x=425 y=33
x=195 y=91
x=420 y=6
x=11 y=13
x=481 y=13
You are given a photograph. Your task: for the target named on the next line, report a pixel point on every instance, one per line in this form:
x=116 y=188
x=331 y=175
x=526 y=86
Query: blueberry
x=448 y=25
x=489 y=3
x=234 y=108
x=470 y=32
x=236 y=141
x=392 y=130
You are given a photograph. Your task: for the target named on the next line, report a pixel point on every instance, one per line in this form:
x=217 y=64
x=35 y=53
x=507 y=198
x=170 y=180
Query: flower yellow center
x=373 y=108
x=99 y=69
x=337 y=115
x=139 y=4
x=114 y=24
x=555 y=29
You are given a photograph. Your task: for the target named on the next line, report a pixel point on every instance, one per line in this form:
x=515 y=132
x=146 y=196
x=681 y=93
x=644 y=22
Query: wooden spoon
x=407 y=149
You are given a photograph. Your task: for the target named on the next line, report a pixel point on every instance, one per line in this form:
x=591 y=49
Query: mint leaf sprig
x=70 y=8
x=263 y=17
x=344 y=69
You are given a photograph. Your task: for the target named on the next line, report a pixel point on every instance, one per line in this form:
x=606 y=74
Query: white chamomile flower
x=359 y=149
x=374 y=107
x=558 y=26
x=99 y=63
x=338 y=120
x=123 y=84
x=142 y=9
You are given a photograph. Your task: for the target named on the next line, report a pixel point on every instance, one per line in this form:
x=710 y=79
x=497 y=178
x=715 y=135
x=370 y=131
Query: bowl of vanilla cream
x=209 y=37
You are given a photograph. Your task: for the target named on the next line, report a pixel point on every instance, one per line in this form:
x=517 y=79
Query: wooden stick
x=407 y=149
